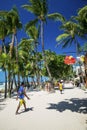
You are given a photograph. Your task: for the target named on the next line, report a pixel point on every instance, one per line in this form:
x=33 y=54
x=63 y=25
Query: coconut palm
x=70 y=35
x=3 y=33
x=81 y=18
x=33 y=33
x=40 y=9
x=3 y=65
x=15 y=24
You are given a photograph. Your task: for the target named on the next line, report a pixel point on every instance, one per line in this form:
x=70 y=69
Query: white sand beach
x=46 y=111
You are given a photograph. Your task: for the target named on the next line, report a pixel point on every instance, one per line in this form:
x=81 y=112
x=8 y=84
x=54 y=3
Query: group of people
x=59 y=84
x=48 y=86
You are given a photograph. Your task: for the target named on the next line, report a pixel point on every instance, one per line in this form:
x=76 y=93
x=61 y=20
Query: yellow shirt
x=60 y=86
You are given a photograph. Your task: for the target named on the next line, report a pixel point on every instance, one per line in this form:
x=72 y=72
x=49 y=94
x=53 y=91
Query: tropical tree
x=33 y=33
x=40 y=9
x=74 y=29
x=57 y=66
x=70 y=35
x=11 y=24
x=26 y=50
x=14 y=24
x=3 y=65
x=81 y=18
x=3 y=33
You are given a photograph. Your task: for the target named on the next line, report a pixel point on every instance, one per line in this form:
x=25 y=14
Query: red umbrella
x=69 y=60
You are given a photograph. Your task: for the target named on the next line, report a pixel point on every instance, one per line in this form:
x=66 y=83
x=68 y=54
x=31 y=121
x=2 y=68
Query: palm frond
x=33 y=32
x=31 y=23
x=44 y=7
x=62 y=37
x=28 y=8
x=3 y=14
x=65 y=43
x=56 y=17
x=33 y=7
x=82 y=10
x=13 y=19
x=25 y=41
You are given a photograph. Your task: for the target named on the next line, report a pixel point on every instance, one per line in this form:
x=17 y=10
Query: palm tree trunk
x=12 y=46
x=17 y=56
x=42 y=36
x=3 y=46
x=9 y=86
x=85 y=64
x=77 y=52
x=4 y=50
x=5 y=95
x=42 y=41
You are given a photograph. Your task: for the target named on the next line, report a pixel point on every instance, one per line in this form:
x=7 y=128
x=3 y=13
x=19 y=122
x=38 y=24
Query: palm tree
x=14 y=24
x=81 y=19
x=25 y=51
x=85 y=64
x=70 y=35
x=3 y=64
x=40 y=9
x=33 y=33
x=3 y=33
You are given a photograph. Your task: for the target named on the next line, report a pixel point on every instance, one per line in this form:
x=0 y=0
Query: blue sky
x=65 y=7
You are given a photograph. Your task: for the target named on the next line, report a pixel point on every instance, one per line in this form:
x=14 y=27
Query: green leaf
x=56 y=16
x=62 y=37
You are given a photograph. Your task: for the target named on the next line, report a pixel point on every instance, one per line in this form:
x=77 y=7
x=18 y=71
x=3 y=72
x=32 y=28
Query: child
x=21 y=94
x=60 y=87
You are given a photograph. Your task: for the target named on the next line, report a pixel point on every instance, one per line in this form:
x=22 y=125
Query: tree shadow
x=2 y=104
x=74 y=104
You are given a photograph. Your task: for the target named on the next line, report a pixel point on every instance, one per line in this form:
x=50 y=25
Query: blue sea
x=2 y=76
x=2 y=79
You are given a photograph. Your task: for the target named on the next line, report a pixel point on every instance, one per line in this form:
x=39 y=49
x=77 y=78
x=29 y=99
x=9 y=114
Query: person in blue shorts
x=21 y=94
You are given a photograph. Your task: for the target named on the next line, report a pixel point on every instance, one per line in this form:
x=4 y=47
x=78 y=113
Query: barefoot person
x=20 y=95
x=60 y=87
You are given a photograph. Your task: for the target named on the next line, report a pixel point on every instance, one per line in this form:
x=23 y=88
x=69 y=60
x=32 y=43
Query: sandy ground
x=46 y=111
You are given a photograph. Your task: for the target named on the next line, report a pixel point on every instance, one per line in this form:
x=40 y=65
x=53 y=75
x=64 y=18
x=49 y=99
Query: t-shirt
x=21 y=92
x=60 y=86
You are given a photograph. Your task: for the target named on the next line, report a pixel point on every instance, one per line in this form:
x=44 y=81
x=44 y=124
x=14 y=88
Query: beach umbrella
x=69 y=60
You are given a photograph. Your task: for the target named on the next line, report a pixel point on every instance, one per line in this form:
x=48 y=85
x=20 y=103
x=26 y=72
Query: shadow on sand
x=27 y=110
x=2 y=104
x=74 y=105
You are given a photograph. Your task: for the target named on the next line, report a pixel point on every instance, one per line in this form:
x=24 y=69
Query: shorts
x=22 y=101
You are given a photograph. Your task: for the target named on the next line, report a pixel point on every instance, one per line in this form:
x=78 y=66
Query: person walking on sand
x=60 y=87
x=21 y=94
